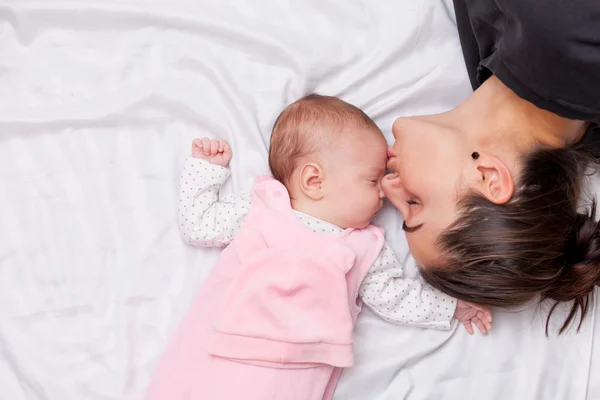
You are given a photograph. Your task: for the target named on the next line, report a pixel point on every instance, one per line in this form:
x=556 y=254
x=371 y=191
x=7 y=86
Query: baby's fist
x=217 y=152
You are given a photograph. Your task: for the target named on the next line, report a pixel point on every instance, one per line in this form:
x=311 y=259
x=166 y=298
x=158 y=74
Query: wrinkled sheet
x=99 y=100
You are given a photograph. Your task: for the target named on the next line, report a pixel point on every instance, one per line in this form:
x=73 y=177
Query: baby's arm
x=412 y=301
x=204 y=219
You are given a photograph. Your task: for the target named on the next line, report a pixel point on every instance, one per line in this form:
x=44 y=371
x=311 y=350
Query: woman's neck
x=498 y=115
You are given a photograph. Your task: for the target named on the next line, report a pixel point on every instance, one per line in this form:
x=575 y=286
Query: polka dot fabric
x=207 y=220
x=204 y=218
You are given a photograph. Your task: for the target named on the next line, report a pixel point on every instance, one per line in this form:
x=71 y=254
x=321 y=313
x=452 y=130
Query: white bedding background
x=99 y=101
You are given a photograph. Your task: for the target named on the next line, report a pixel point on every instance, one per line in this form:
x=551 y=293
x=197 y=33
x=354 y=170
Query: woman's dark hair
x=537 y=244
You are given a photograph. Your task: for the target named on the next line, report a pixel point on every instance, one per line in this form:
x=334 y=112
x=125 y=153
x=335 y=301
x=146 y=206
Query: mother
x=489 y=191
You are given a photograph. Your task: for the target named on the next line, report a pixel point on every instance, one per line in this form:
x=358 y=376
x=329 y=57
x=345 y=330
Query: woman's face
x=432 y=157
x=429 y=157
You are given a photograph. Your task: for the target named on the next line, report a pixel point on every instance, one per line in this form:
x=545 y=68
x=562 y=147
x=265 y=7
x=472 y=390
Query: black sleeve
x=548 y=52
x=467 y=41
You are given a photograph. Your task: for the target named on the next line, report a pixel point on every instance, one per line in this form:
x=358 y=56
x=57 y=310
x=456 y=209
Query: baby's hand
x=216 y=152
x=468 y=313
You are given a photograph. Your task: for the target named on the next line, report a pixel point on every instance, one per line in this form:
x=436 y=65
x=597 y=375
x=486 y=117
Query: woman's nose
x=394 y=192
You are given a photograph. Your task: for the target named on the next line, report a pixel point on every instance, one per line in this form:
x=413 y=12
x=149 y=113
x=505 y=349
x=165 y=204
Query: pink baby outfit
x=274 y=319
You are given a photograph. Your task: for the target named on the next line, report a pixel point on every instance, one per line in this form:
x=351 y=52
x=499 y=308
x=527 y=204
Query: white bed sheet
x=99 y=101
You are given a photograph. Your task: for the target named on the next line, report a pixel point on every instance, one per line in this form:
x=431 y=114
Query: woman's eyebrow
x=409 y=229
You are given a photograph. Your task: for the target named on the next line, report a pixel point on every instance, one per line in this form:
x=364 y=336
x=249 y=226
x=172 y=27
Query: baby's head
x=331 y=157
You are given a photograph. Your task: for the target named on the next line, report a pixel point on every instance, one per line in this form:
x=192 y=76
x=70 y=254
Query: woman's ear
x=495 y=179
x=311 y=180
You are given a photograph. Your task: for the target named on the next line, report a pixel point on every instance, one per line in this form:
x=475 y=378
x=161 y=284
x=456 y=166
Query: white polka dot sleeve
x=204 y=218
x=404 y=301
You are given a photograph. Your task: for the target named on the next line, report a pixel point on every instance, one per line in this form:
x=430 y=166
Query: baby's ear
x=311 y=180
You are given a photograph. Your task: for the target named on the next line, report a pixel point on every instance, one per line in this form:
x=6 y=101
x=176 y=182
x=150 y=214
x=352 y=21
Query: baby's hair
x=306 y=126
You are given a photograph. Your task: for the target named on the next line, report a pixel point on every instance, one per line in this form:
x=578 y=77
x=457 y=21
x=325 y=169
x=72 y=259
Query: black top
x=546 y=51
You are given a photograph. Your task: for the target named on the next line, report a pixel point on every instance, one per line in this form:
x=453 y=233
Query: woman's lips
x=391 y=155
x=390 y=161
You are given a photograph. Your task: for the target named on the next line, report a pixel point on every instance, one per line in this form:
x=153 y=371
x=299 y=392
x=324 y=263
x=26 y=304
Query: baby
x=274 y=320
